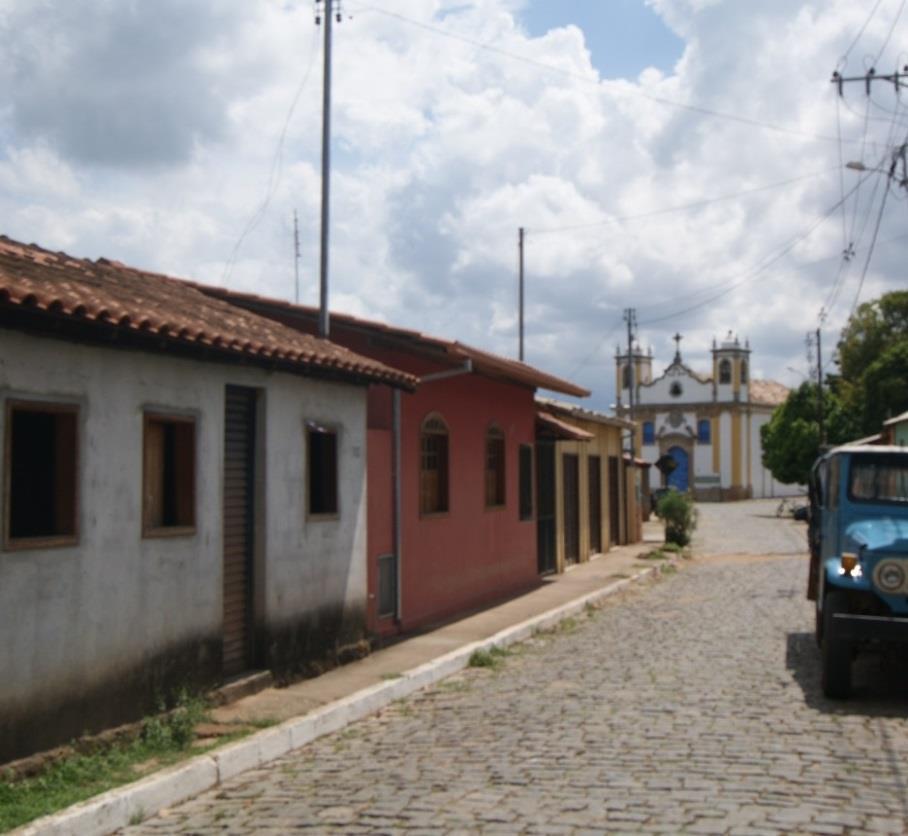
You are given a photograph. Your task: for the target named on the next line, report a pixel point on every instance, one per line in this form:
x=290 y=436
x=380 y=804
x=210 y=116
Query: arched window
x=433 y=466
x=494 y=468
x=675 y=389
x=743 y=372
x=626 y=376
x=724 y=371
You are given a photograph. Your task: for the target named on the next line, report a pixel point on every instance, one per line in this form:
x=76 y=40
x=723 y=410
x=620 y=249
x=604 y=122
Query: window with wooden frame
x=495 y=474
x=168 y=476
x=526 y=482
x=433 y=466
x=321 y=454
x=41 y=475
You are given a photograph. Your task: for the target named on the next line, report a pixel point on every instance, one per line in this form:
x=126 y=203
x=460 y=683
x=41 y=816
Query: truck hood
x=881 y=534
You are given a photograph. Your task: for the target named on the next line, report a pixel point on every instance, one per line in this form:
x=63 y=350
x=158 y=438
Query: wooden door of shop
x=571 y=479
x=594 y=478
x=614 y=502
x=545 y=507
x=239 y=523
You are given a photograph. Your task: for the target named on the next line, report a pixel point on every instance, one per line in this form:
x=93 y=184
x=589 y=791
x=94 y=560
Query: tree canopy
x=871 y=387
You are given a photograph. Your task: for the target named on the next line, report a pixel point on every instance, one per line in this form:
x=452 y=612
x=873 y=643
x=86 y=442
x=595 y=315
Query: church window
x=743 y=372
x=675 y=390
x=725 y=371
x=626 y=376
x=703 y=431
x=649 y=433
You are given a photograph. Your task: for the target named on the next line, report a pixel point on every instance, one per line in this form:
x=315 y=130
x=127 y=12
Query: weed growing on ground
x=137 y=817
x=669 y=569
x=492 y=658
x=164 y=739
x=387 y=676
x=656 y=554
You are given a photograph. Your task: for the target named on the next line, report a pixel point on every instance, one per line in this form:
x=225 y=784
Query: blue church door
x=679 y=477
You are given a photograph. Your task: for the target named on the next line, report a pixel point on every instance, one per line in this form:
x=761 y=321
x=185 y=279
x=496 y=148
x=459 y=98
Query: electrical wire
x=677 y=208
x=889 y=34
x=275 y=173
x=857 y=37
x=750 y=275
x=702 y=111
x=876 y=230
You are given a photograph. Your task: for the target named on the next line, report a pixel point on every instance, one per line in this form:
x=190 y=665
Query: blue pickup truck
x=858 y=537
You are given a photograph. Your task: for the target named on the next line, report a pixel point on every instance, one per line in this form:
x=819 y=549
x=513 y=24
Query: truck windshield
x=879 y=478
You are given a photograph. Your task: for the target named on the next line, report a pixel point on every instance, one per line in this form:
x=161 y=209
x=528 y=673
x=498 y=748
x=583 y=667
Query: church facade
x=709 y=424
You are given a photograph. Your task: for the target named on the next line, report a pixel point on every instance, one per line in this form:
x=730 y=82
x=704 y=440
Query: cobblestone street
x=690 y=705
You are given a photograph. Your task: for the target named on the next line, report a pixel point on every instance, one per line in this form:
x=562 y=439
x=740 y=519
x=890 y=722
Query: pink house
x=451 y=470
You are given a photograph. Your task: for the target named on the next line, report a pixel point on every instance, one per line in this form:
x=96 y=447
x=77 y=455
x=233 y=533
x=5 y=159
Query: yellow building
x=587 y=488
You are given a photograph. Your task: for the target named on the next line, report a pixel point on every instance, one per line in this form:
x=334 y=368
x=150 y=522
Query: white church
x=708 y=424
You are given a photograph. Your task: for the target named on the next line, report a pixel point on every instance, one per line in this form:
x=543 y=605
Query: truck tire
x=836 y=653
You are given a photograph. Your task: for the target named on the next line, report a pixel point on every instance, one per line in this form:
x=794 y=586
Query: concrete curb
x=128 y=804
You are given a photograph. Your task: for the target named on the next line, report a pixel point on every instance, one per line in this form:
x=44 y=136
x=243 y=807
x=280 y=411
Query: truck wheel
x=836 y=653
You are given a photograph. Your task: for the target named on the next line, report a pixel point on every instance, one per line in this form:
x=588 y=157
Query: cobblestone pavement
x=750 y=527
x=688 y=706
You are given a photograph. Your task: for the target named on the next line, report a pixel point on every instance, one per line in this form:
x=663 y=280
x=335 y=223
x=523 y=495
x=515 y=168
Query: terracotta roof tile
x=110 y=294
x=483 y=361
x=768 y=392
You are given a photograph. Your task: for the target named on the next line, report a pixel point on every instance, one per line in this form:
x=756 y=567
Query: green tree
x=873 y=359
x=791 y=438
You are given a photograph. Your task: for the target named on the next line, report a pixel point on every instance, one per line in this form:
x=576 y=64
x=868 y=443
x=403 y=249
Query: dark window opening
x=526 y=482
x=41 y=472
x=322 y=453
x=649 y=433
x=724 y=371
x=169 y=475
x=675 y=390
x=704 y=428
x=433 y=467
x=495 y=494
x=743 y=372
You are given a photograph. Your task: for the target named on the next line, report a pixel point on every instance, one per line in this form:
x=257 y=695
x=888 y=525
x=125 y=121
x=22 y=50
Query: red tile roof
x=108 y=295
x=560 y=428
x=767 y=392
x=483 y=362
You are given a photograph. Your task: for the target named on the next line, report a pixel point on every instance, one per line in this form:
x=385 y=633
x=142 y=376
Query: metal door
x=545 y=506
x=594 y=482
x=614 y=501
x=571 y=479
x=239 y=504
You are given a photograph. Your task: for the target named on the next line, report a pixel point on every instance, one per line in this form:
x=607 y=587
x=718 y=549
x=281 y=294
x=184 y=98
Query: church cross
x=677 y=338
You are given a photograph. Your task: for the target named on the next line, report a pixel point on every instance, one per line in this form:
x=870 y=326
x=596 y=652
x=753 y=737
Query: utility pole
x=820 y=406
x=897 y=79
x=328 y=13
x=630 y=317
x=296 y=257
x=520 y=237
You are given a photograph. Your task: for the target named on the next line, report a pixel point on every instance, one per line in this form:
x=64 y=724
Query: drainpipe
x=466 y=368
x=396 y=510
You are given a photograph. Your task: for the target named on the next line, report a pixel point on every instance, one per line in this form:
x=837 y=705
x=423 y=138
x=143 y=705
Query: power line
x=889 y=34
x=857 y=37
x=678 y=208
x=876 y=230
x=703 y=111
x=757 y=271
x=274 y=175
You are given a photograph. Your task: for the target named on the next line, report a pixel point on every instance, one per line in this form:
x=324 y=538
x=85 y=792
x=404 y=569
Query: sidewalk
x=314 y=707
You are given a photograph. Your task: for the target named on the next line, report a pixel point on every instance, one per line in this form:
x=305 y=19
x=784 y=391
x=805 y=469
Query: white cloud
x=148 y=134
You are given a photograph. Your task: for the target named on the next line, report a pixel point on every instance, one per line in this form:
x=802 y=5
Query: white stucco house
x=184 y=494
x=708 y=423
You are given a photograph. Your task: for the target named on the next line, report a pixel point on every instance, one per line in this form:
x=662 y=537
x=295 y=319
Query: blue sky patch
x=624 y=36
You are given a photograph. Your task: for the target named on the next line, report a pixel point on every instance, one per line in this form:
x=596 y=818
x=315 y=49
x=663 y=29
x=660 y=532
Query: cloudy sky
x=683 y=157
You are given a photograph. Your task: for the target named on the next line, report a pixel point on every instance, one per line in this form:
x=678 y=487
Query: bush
x=679 y=515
